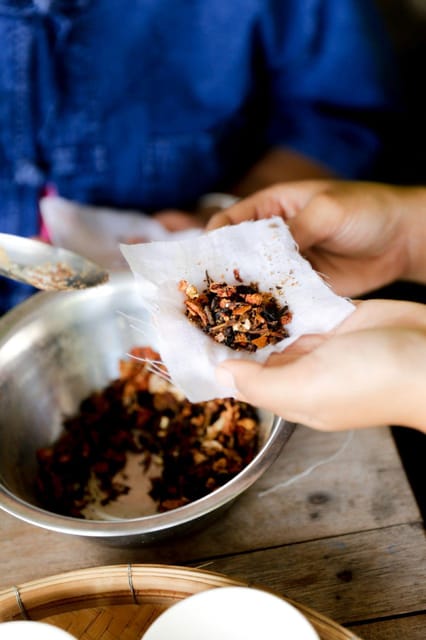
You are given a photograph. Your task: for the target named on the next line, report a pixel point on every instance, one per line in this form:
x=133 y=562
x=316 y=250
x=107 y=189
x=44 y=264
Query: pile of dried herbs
x=201 y=446
x=238 y=315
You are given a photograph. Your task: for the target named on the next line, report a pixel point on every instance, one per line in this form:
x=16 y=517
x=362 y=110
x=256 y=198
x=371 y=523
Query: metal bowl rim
x=157 y=522
x=279 y=434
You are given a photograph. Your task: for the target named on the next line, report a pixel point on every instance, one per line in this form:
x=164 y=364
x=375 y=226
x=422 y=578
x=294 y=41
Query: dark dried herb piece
x=201 y=445
x=238 y=315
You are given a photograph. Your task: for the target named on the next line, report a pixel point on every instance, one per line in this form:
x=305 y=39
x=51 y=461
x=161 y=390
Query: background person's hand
x=177 y=220
x=360 y=236
x=208 y=205
x=369 y=371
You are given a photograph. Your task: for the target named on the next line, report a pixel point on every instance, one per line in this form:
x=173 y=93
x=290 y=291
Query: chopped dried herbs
x=237 y=315
x=201 y=446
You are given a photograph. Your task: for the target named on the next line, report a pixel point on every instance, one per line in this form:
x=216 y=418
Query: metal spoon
x=46 y=267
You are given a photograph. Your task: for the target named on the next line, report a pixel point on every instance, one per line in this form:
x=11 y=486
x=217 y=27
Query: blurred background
x=406 y=22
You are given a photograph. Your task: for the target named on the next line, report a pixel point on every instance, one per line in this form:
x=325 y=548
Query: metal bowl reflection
x=55 y=349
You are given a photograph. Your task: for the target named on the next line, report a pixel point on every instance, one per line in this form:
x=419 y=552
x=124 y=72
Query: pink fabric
x=49 y=190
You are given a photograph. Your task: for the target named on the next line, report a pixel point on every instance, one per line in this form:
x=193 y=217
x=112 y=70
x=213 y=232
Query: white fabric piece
x=263 y=252
x=96 y=232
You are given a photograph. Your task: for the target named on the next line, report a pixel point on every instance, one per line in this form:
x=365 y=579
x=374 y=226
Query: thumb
x=253 y=382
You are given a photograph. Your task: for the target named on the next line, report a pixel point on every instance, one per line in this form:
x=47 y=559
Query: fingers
x=262 y=205
x=321 y=219
x=284 y=200
x=302 y=346
x=176 y=220
x=256 y=384
x=384 y=313
x=220 y=219
x=284 y=390
x=359 y=379
x=351 y=380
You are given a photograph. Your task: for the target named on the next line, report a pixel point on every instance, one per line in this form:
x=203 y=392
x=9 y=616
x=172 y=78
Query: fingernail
x=225 y=377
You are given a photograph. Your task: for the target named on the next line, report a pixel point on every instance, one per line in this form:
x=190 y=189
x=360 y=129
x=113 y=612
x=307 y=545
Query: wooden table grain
x=345 y=539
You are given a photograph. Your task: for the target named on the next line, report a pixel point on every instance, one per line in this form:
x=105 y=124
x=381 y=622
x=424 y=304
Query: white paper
x=263 y=252
x=96 y=232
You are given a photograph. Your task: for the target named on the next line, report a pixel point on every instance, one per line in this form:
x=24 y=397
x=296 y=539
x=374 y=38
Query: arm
x=370 y=371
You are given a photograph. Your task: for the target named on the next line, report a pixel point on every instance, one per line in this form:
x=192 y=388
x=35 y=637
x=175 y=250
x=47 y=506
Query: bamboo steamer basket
x=119 y=602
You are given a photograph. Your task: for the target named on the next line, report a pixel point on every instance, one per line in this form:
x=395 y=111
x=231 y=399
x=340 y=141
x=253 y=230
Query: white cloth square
x=96 y=232
x=263 y=252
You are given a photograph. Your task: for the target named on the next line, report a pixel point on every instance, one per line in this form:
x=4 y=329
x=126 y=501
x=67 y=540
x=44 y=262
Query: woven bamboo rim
x=119 y=602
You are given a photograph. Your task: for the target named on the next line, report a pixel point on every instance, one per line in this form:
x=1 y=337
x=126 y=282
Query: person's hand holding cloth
x=370 y=369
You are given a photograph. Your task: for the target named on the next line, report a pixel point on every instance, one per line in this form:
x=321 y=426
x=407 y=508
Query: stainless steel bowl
x=55 y=349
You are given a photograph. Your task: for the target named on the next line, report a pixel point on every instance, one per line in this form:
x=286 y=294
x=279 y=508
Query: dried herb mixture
x=238 y=315
x=201 y=446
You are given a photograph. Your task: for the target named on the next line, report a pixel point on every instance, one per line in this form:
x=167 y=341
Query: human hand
x=360 y=236
x=369 y=371
x=177 y=220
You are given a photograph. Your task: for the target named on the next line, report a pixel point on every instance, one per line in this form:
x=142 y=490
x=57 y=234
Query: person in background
x=370 y=370
x=151 y=106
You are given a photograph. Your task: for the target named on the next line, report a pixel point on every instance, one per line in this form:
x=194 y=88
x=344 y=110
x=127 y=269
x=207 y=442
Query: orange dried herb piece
x=239 y=316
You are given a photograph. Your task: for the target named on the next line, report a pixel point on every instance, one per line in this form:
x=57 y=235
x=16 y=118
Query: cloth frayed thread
x=310 y=469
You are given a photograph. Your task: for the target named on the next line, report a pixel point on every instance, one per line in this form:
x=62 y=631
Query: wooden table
x=346 y=539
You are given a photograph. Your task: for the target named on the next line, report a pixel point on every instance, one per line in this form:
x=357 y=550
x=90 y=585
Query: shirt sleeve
x=333 y=81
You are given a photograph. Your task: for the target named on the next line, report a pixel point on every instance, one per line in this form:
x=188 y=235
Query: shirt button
x=28 y=173
x=43 y=5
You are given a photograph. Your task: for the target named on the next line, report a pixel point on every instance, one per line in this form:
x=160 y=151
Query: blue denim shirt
x=148 y=104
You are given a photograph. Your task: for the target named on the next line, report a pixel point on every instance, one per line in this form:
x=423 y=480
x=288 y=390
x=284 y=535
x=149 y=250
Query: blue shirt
x=149 y=104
